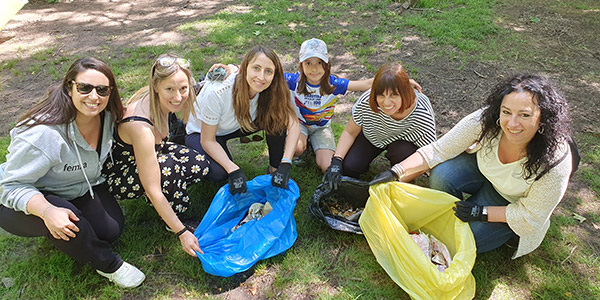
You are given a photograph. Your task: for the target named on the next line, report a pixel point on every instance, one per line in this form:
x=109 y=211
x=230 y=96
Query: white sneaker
x=126 y=276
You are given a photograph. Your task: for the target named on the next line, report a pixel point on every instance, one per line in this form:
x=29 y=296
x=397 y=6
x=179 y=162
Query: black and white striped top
x=381 y=130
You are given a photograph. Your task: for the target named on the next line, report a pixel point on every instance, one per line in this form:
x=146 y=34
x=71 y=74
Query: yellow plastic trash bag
x=392 y=211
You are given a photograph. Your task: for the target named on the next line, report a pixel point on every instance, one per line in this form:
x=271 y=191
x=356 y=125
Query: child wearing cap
x=314 y=92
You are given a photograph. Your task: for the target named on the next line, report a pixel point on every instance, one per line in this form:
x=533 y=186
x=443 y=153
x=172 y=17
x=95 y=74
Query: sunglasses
x=167 y=61
x=246 y=140
x=86 y=88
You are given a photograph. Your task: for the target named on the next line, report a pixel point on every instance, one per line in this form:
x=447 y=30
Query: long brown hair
x=158 y=73
x=274 y=106
x=58 y=108
x=394 y=78
x=325 y=87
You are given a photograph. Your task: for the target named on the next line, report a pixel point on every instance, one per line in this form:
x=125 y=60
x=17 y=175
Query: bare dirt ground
x=565 y=42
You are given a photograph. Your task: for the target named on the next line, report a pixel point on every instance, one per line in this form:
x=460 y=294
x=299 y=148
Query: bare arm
x=293 y=132
x=363 y=85
x=360 y=85
x=413 y=166
x=142 y=139
x=416 y=85
x=214 y=149
x=347 y=139
x=497 y=214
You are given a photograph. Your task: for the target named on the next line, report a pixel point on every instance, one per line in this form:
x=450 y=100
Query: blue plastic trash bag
x=227 y=252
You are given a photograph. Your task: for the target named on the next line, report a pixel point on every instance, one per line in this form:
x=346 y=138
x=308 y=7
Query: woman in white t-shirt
x=513 y=157
x=255 y=99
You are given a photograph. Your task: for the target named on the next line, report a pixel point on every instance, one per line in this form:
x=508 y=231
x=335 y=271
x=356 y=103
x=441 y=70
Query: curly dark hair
x=554 y=119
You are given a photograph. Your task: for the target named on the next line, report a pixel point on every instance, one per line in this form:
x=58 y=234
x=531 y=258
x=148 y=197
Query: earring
x=498 y=122
x=540 y=130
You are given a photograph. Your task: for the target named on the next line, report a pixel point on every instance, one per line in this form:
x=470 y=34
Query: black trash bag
x=176 y=130
x=351 y=193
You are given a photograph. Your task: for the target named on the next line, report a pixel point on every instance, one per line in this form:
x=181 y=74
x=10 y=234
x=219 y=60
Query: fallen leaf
x=261 y=22
x=596 y=226
x=579 y=218
x=568 y=294
x=257 y=33
x=253 y=290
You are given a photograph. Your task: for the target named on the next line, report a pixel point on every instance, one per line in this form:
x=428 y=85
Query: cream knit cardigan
x=529 y=215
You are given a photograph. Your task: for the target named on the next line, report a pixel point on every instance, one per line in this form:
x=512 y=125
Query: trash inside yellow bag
x=395 y=209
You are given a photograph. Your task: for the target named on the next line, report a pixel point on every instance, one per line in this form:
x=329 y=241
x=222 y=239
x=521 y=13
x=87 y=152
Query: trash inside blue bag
x=227 y=251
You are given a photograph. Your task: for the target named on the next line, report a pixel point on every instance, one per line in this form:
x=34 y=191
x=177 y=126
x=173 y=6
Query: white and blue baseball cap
x=314 y=48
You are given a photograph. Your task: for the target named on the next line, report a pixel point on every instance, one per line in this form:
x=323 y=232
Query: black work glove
x=237 y=182
x=281 y=176
x=333 y=175
x=468 y=211
x=384 y=177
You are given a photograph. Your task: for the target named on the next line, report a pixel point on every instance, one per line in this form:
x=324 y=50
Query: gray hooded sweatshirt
x=42 y=158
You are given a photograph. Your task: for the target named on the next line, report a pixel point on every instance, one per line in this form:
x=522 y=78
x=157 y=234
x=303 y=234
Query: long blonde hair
x=164 y=66
x=274 y=106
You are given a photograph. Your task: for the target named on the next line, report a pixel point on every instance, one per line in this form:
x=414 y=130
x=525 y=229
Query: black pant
x=362 y=153
x=100 y=223
x=275 y=143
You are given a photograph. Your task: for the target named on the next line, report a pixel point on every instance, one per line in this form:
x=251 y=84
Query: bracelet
x=180 y=232
x=43 y=214
x=399 y=170
x=287 y=160
x=484 y=214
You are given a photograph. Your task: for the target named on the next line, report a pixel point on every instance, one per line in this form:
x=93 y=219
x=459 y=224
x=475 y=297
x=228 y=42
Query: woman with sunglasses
x=145 y=163
x=51 y=183
x=255 y=99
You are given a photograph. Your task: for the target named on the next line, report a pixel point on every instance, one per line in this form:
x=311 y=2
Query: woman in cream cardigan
x=512 y=157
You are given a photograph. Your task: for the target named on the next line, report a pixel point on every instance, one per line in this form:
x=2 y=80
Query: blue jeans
x=461 y=175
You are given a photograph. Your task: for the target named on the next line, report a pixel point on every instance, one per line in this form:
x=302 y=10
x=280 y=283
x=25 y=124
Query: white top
x=507 y=179
x=214 y=106
x=531 y=202
x=380 y=129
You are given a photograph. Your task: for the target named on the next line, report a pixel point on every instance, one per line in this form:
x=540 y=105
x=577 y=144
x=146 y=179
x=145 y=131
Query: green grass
x=322 y=264
x=591 y=170
x=465 y=25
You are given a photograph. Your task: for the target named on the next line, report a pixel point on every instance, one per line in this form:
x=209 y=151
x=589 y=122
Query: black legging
x=100 y=223
x=362 y=153
x=275 y=143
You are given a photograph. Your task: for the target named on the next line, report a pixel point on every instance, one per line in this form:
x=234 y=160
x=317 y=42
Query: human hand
x=333 y=175
x=468 y=211
x=59 y=221
x=415 y=85
x=237 y=182
x=383 y=177
x=189 y=243
x=219 y=72
x=281 y=176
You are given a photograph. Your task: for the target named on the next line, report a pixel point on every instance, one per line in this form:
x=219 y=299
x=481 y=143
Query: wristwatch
x=484 y=214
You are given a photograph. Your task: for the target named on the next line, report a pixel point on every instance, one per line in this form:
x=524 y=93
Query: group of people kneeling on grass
x=77 y=152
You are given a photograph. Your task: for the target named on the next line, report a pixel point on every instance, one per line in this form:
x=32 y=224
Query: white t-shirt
x=214 y=106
